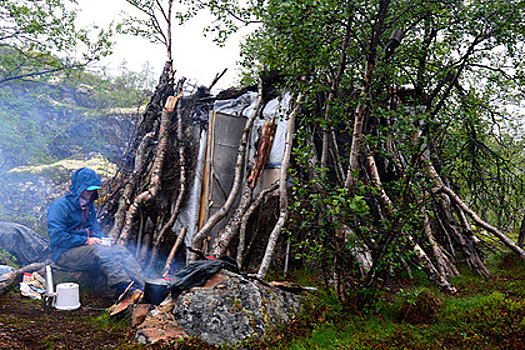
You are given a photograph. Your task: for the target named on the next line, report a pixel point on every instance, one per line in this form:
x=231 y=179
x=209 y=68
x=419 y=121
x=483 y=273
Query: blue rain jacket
x=68 y=224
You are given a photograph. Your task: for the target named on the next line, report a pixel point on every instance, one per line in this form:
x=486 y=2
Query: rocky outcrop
x=28 y=191
x=226 y=310
x=50 y=130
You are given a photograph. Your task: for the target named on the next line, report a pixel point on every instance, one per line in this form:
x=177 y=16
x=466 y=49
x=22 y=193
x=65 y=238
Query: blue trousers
x=115 y=262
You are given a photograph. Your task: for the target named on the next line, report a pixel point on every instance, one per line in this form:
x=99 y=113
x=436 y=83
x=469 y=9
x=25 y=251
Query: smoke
x=27 y=191
x=46 y=133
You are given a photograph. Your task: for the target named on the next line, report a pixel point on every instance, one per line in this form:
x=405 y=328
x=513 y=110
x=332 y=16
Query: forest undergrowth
x=486 y=313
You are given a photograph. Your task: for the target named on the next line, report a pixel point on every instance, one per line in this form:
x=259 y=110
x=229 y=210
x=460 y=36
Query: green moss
x=484 y=314
x=62 y=169
x=8 y=259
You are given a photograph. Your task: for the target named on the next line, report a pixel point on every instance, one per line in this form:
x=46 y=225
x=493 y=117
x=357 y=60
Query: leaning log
x=241 y=154
x=283 y=196
x=180 y=195
x=481 y=223
x=232 y=229
x=129 y=187
x=156 y=170
x=357 y=248
x=521 y=237
x=241 y=247
x=265 y=145
x=467 y=246
x=171 y=256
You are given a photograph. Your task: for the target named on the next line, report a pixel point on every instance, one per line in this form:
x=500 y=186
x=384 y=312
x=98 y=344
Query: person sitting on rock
x=76 y=238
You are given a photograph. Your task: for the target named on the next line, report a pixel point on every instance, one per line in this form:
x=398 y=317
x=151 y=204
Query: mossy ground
x=27 y=324
x=486 y=313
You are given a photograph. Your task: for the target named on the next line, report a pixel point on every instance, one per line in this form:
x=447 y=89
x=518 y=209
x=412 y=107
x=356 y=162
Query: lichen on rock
x=228 y=312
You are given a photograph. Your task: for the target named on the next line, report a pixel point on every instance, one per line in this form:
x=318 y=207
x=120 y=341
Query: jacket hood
x=82 y=179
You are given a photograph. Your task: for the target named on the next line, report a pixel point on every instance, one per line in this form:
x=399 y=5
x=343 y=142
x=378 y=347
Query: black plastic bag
x=196 y=274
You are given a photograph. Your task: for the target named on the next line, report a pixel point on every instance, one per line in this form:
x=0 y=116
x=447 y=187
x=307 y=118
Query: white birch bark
x=481 y=223
x=173 y=251
x=156 y=170
x=244 y=220
x=241 y=154
x=180 y=196
x=283 y=203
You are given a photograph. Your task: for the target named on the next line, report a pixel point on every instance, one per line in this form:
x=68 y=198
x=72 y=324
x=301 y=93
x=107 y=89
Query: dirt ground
x=27 y=324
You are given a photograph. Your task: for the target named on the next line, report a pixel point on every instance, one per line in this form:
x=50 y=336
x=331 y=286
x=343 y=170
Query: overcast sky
x=196 y=57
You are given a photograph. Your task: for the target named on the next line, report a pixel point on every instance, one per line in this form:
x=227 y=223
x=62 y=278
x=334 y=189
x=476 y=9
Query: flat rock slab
x=226 y=310
x=159 y=325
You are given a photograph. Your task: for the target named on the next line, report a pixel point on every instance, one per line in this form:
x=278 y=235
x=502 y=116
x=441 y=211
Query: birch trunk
x=466 y=226
x=481 y=223
x=171 y=256
x=180 y=195
x=283 y=203
x=356 y=137
x=468 y=248
x=363 y=107
x=438 y=276
x=334 y=89
x=445 y=267
x=232 y=229
x=431 y=271
x=223 y=211
x=144 y=249
x=244 y=221
x=358 y=249
x=156 y=170
x=376 y=179
x=129 y=187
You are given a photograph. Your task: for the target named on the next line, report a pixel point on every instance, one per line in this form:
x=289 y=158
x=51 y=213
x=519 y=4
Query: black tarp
x=197 y=273
x=23 y=243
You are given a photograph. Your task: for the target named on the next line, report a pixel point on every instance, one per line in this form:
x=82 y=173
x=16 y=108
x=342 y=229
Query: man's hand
x=93 y=241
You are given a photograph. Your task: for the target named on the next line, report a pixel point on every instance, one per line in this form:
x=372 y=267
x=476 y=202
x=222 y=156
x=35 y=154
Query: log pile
x=154 y=175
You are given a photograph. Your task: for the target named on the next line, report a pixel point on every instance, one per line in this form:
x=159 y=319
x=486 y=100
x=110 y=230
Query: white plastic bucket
x=67 y=296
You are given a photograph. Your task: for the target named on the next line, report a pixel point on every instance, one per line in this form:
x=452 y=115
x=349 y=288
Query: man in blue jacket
x=76 y=239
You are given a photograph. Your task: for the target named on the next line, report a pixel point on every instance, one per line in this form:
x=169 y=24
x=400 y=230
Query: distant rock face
x=227 y=309
x=31 y=189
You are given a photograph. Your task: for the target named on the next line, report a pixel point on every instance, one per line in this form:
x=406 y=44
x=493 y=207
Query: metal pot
x=154 y=291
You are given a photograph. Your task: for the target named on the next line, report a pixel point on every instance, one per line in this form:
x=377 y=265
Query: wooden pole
x=173 y=251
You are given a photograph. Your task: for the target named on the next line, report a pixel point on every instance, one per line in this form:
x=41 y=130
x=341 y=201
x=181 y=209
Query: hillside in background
x=53 y=125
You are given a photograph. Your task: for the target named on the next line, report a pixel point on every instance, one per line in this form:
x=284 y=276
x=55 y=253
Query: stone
x=159 y=325
x=227 y=309
x=139 y=314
